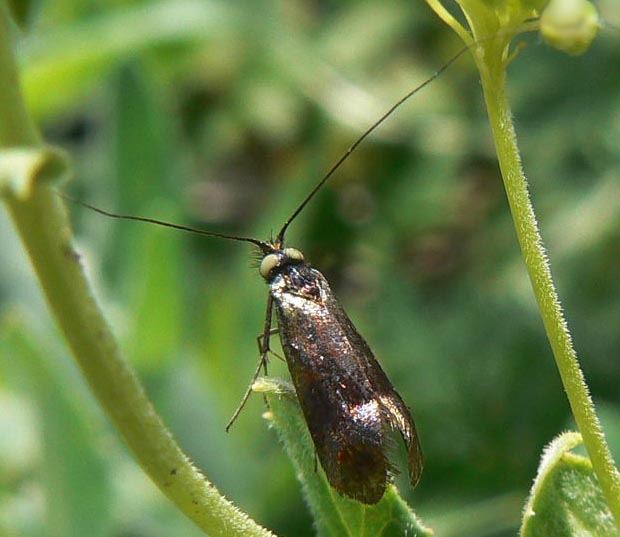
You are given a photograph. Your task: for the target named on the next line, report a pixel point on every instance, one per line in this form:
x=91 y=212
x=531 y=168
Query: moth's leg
x=262 y=363
x=260 y=341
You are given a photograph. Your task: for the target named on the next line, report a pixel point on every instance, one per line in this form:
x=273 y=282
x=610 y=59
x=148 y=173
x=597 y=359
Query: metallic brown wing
x=348 y=402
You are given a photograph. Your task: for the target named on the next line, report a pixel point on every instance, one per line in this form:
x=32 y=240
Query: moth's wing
x=348 y=431
x=396 y=413
x=399 y=418
x=347 y=400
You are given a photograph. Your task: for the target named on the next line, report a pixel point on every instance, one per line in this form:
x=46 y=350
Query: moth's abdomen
x=348 y=432
x=359 y=471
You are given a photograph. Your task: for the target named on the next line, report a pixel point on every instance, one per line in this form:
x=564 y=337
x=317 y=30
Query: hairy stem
x=493 y=76
x=41 y=222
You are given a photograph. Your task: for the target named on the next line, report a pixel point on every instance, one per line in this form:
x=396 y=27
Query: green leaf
x=334 y=514
x=73 y=58
x=78 y=494
x=566 y=499
x=23 y=11
x=149 y=266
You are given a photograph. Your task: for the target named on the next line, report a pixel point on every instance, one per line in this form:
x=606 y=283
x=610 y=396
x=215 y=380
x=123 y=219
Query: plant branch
x=42 y=224
x=493 y=76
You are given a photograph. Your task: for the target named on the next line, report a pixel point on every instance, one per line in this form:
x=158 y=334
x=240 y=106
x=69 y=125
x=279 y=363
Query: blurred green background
x=223 y=114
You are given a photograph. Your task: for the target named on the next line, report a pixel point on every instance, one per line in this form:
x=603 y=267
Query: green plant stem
x=41 y=221
x=493 y=75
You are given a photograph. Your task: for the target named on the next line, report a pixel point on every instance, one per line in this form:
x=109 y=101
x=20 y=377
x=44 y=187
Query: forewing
x=344 y=417
x=396 y=412
x=348 y=402
x=348 y=435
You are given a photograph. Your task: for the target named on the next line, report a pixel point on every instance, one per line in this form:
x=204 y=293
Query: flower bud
x=569 y=25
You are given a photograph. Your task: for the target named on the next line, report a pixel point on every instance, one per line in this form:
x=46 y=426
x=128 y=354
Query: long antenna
x=264 y=246
x=302 y=205
x=267 y=246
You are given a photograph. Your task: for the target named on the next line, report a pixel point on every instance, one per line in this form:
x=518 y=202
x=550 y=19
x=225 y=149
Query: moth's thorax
x=300 y=283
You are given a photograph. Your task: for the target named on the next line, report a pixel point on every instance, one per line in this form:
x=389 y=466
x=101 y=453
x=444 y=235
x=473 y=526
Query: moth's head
x=277 y=258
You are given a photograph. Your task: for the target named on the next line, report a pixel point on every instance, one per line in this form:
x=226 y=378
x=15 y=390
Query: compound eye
x=268 y=264
x=293 y=254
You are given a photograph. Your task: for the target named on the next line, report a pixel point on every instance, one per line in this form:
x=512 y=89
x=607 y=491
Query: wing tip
x=416 y=461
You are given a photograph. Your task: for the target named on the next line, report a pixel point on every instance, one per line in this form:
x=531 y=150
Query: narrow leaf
x=23 y=11
x=78 y=495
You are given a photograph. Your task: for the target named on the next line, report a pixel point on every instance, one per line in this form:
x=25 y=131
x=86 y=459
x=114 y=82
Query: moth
x=349 y=404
